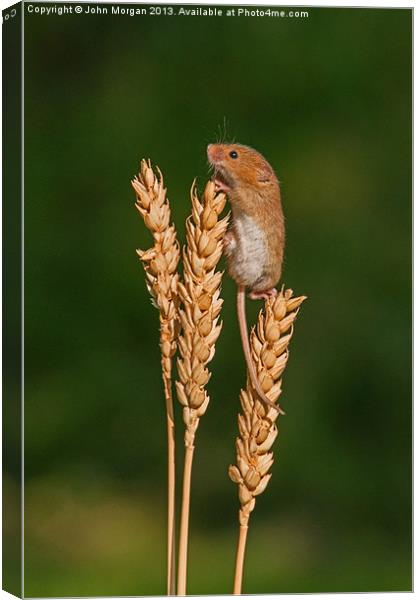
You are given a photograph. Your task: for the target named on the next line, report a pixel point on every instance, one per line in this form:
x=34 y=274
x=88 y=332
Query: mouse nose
x=212 y=152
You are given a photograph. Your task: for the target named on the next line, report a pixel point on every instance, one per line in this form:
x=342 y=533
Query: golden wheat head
x=199 y=294
x=160 y=262
x=257 y=428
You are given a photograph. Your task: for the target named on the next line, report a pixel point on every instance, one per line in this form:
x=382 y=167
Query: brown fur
x=253 y=189
x=254 y=244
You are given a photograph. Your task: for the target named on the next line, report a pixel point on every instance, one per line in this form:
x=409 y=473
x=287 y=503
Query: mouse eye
x=233 y=154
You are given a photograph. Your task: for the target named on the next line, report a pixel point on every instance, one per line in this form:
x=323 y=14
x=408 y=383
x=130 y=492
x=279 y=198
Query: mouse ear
x=264 y=174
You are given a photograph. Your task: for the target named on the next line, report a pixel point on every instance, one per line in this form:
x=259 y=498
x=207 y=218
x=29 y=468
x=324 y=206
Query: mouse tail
x=241 y=313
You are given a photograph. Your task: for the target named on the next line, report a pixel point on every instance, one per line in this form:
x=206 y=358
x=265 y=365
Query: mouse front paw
x=220 y=186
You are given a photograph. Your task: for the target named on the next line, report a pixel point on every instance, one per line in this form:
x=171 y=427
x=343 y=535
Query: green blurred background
x=327 y=99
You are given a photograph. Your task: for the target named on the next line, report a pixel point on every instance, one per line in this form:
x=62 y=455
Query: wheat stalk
x=201 y=305
x=160 y=264
x=269 y=342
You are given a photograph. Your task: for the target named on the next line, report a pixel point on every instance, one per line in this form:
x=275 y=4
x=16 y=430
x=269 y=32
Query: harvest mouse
x=254 y=242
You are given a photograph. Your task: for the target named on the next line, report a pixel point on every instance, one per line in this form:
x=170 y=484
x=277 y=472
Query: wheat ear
x=200 y=308
x=160 y=264
x=269 y=342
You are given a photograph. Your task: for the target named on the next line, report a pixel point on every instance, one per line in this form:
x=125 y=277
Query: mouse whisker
x=220 y=134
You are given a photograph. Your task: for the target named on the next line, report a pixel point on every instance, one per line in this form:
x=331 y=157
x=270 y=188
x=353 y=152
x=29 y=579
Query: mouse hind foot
x=263 y=294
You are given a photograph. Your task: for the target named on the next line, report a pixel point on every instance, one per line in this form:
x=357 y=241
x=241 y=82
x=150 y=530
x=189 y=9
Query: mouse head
x=237 y=167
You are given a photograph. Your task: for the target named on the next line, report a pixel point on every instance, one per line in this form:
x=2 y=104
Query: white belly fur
x=249 y=258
